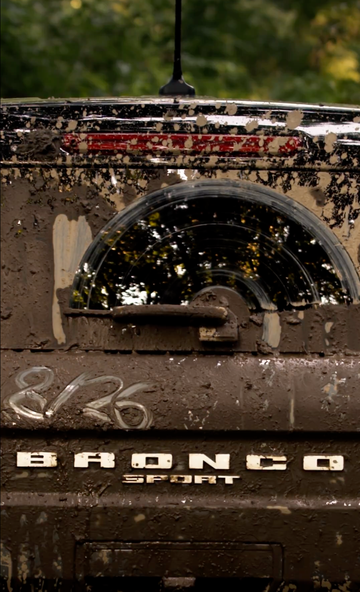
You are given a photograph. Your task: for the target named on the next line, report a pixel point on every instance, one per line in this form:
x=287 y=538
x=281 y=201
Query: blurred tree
x=256 y=49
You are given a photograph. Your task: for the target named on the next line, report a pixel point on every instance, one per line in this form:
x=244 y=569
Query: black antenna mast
x=177 y=85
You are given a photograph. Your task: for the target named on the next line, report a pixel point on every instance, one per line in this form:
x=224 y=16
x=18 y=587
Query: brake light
x=185 y=143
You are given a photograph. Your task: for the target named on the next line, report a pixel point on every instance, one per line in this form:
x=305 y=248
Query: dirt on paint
x=229 y=450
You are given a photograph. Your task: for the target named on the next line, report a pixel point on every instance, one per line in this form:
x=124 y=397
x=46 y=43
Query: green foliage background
x=296 y=50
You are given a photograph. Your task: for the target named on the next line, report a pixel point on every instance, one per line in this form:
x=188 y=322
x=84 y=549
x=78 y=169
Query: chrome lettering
x=221 y=462
x=323 y=462
x=228 y=479
x=150 y=460
x=36 y=459
x=198 y=479
x=156 y=478
x=266 y=462
x=133 y=479
x=105 y=459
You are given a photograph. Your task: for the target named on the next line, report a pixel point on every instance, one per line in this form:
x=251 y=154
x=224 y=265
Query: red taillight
x=184 y=143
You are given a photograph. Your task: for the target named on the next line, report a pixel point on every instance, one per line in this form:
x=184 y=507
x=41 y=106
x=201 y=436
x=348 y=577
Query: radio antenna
x=177 y=85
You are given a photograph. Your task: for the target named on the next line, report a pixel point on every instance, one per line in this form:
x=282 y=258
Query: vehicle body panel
x=287 y=388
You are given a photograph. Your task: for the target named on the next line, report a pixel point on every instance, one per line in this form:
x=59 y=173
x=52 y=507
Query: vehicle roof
x=164 y=101
x=321 y=129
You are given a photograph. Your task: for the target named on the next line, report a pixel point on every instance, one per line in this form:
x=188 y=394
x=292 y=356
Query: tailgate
x=260 y=482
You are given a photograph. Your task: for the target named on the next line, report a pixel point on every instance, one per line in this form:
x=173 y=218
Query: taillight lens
x=184 y=143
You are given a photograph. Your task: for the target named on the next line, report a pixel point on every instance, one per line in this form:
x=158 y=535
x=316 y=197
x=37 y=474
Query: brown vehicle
x=180 y=345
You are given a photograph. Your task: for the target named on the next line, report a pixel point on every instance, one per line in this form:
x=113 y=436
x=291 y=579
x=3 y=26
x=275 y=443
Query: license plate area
x=155 y=559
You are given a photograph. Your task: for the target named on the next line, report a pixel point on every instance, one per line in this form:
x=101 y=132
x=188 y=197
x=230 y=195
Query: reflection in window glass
x=166 y=251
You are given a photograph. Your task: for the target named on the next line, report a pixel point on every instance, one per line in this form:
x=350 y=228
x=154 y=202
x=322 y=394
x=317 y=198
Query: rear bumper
x=74 y=537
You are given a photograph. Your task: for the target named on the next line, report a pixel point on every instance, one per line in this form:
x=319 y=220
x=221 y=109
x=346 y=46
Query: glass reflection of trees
x=175 y=249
